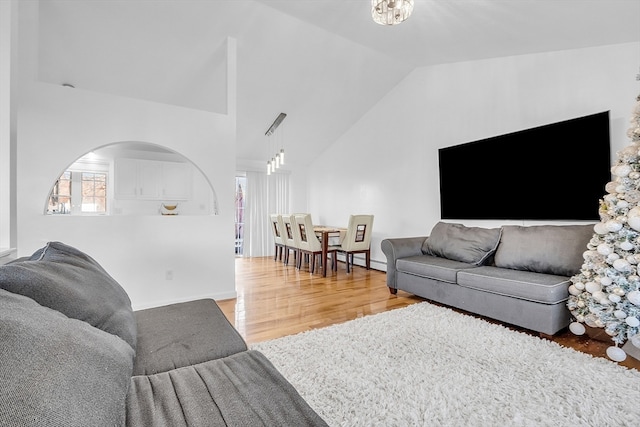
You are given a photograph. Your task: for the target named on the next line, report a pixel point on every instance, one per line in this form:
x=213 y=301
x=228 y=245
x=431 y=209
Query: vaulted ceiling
x=324 y=63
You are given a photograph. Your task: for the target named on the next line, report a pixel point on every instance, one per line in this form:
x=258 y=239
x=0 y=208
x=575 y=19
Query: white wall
x=386 y=164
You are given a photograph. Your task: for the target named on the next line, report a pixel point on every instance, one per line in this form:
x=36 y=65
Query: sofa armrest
x=400 y=247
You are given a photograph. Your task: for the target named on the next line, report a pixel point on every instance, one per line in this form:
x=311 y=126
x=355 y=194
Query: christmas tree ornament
x=612 y=225
x=621 y=265
x=626 y=245
x=574 y=291
x=577 y=328
x=604 y=249
x=632 y=321
x=600 y=228
x=620 y=314
x=592 y=287
x=634 y=297
x=616 y=354
x=611 y=187
x=634 y=221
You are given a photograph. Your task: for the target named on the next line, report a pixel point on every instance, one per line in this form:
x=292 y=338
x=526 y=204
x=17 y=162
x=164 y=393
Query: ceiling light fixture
x=277 y=160
x=275 y=124
x=391 y=12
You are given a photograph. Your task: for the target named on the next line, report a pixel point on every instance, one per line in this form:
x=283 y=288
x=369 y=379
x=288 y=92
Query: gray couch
x=74 y=353
x=514 y=274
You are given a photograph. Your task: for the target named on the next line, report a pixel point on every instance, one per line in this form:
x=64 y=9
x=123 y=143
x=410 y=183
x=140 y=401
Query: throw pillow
x=57 y=371
x=65 y=279
x=473 y=245
x=550 y=249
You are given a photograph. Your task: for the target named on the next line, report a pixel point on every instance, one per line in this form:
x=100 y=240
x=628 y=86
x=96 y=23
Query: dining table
x=325 y=233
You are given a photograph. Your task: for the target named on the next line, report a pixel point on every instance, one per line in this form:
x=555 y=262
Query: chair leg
x=349 y=259
x=368 y=255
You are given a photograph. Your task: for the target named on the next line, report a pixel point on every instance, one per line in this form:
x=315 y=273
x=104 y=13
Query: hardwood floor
x=275 y=300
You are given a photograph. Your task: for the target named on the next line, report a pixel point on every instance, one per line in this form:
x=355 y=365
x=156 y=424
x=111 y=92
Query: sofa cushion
x=473 y=245
x=244 y=389
x=433 y=267
x=527 y=285
x=57 y=371
x=551 y=249
x=183 y=334
x=65 y=279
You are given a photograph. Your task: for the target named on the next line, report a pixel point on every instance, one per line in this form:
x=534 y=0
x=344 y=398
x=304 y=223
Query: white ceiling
x=323 y=62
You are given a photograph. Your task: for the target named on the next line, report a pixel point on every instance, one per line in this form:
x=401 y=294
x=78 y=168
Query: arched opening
x=131 y=178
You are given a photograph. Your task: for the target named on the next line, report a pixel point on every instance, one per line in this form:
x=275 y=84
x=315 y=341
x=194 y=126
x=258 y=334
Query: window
x=79 y=192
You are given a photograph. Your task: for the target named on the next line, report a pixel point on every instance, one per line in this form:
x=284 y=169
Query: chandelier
x=278 y=159
x=391 y=12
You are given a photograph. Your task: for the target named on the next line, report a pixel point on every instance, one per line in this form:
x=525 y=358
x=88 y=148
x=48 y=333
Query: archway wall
x=157 y=259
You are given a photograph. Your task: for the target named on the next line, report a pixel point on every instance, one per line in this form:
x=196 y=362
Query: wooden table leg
x=325 y=246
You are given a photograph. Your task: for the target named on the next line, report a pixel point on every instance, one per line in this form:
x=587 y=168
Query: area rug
x=425 y=365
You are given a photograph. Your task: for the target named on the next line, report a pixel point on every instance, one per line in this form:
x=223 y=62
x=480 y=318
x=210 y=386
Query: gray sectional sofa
x=515 y=274
x=74 y=353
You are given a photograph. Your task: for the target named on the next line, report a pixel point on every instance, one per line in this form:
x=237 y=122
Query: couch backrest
x=550 y=249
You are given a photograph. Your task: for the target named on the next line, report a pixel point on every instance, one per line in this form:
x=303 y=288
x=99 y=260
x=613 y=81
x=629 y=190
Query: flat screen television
x=552 y=172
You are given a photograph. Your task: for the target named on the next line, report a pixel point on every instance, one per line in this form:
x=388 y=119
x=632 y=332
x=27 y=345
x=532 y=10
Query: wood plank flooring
x=275 y=300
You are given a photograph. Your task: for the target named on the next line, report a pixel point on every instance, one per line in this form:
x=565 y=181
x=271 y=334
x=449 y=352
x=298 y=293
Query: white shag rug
x=424 y=365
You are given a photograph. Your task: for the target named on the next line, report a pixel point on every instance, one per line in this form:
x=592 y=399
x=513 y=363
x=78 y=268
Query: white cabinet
x=126 y=178
x=149 y=180
x=176 y=181
x=152 y=180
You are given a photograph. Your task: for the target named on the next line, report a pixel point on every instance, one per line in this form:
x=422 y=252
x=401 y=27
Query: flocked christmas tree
x=606 y=292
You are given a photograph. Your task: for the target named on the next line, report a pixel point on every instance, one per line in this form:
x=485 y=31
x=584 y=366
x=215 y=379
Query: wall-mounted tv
x=552 y=172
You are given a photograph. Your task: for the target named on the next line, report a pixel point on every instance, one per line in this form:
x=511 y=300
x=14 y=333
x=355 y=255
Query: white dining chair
x=290 y=244
x=357 y=239
x=276 y=230
x=309 y=244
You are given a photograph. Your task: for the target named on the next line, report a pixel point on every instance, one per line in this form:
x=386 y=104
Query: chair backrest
x=304 y=231
x=358 y=236
x=288 y=233
x=276 y=229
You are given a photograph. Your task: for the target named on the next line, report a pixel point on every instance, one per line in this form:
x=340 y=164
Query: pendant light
x=391 y=12
x=277 y=160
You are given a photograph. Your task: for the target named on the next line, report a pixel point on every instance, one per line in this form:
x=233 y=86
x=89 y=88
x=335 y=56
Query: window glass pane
x=94 y=192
